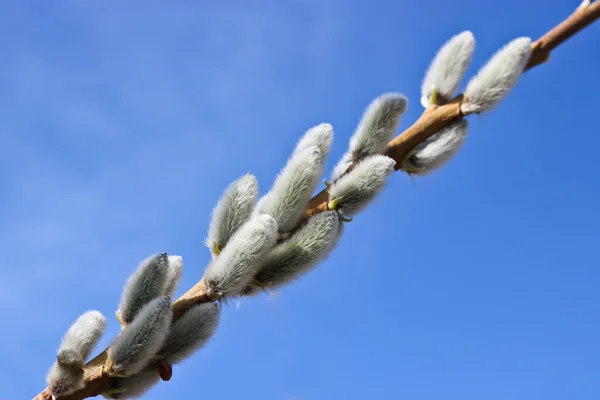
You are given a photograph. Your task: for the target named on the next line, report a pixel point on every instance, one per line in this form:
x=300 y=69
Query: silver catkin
x=447 y=69
x=378 y=125
x=173 y=276
x=66 y=374
x=496 y=78
x=320 y=136
x=85 y=332
x=190 y=332
x=437 y=150
x=293 y=188
x=232 y=210
x=135 y=346
x=145 y=284
x=238 y=263
x=301 y=252
x=355 y=190
x=374 y=131
x=342 y=166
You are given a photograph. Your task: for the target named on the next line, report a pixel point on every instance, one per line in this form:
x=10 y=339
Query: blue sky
x=123 y=123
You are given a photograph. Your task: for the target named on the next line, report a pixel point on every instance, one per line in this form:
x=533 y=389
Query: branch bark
x=432 y=120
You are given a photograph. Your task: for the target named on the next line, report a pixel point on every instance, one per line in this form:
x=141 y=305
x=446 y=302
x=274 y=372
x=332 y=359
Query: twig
x=431 y=121
x=436 y=117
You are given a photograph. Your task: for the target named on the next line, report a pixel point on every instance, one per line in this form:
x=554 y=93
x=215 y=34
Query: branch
x=431 y=121
x=435 y=117
x=95 y=381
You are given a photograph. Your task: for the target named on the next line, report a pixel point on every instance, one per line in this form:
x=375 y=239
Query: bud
x=296 y=256
x=238 y=263
x=65 y=377
x=437 y=150
x=447 y=69
x=378 y=125
x=135 y=346
x=174 y=272
x=375 y=130
x=320 y=136
x=145 y=284
x=293 y=188
x=495 y=79
x=355 y=190
x=190 y=332
x=232 y=210
x=66 y=374
x=85 y=332
x=342 y=166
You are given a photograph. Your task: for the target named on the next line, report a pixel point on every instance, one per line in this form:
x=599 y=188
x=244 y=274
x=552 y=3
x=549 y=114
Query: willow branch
x=435 y=118
x=431 y=121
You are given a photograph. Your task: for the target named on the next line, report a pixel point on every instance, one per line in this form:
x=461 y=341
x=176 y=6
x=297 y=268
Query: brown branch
x=432 y=120
x=95 y=380
x=437 y=117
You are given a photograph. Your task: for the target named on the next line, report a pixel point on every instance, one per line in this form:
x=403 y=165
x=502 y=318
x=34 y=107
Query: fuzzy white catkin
x=293 y=188
x=145 y=284
x=342 y=166
x=377 y=125
x=232 y=210
x=174 y=272
x=437 y=150
x=67 y=357
x=260 y=204
x=296 y=256
x=357 y=189
x=135 y=346
x=320 y=136
x=374 y=131
x=66 y=374
x=496 y=78
x=134 y=386
x=238 y=263
x=85 y=332
x=190 y=332
x=448 y=68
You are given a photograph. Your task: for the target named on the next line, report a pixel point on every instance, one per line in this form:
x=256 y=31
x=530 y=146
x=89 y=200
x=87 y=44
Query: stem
x=432 y=120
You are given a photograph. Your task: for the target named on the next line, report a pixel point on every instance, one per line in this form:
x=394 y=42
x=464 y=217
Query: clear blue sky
x=122 y=123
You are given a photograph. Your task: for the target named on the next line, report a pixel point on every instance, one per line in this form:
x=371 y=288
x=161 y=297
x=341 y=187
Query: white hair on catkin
x=135 y=346
x=66 y=374
x=320 y=136
x=496 y=78
x=378 y=125
x=85 y=332
x=260 y=205
x=232 y=210
x=190 y=332
x=134 y=386
x=355 y=190
x=342 y=166
x=375 y=129
x=174 y=272
x=296 y=256
x=145 y=284
x=238 y=263
x=447 y=69
x=293 y=188
x=436 y=150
